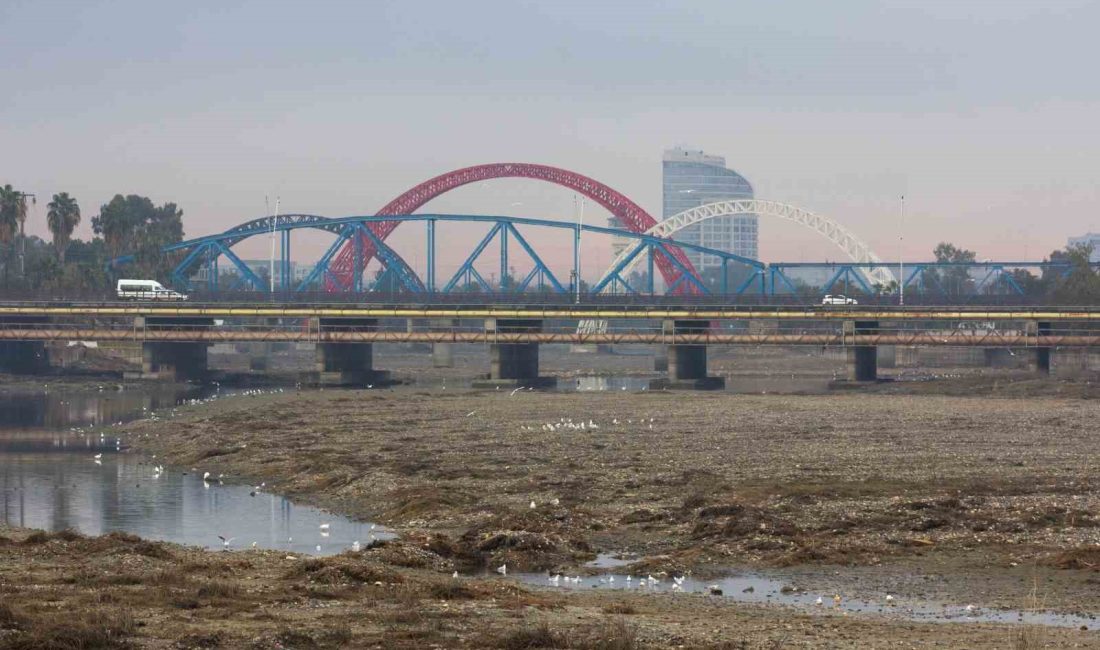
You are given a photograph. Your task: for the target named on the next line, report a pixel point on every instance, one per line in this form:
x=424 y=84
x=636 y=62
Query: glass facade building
x=692 y=178
x=1089 y=239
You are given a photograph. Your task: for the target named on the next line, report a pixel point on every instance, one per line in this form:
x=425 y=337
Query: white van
x=146 y=290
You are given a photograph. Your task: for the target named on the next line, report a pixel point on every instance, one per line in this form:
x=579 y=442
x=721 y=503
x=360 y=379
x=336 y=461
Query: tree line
x=125 y=225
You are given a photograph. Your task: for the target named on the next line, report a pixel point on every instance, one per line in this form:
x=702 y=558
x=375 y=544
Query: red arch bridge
x=360 y=239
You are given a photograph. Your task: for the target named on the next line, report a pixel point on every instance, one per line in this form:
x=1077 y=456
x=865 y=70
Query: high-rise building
x=1088 y=239
x=693 y=178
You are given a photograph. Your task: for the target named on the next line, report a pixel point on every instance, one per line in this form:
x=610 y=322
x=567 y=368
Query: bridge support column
x=347 y=363
x=24 y=357
x=1039 y=357
x=514 y=364
x=687 y=363
x=996 y=357
x=443 y=355
x=171 y=360
x=862 y=359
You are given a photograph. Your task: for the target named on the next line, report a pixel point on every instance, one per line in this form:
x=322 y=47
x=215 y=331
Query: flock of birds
x=568 y=424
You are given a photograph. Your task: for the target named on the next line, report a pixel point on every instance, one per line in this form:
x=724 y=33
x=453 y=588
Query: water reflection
x=51 y=479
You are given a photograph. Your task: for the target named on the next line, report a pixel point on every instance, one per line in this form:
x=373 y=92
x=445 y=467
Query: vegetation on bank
x=126 y=225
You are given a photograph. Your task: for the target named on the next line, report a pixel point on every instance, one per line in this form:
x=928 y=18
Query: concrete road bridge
x=175 y=337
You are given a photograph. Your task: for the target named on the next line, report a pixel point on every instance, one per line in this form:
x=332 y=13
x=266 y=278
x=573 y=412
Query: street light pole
x=901 y=259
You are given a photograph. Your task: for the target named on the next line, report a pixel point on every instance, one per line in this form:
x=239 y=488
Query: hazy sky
x=984 y=114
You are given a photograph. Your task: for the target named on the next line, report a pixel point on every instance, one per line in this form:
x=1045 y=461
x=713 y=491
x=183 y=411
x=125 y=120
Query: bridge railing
x=530 y=298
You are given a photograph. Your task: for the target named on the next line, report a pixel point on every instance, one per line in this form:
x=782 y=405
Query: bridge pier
x=1039 y=357
x=443 y=355
x=24 y=357
x=862 y=359
x=350 y=363
x=514 y=364
x=171 y=360
x=687 y=363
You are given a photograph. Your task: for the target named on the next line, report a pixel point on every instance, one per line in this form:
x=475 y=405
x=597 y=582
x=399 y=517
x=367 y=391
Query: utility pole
x=901 y=259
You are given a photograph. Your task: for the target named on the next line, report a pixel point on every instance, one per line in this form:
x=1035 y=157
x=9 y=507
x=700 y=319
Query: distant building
x=1090 y=239
x=693 y=178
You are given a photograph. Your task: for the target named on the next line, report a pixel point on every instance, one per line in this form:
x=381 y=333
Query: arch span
x=852 y=246
x=629 y=213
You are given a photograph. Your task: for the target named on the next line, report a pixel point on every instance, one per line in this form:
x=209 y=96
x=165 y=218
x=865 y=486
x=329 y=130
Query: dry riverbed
x=962 y=500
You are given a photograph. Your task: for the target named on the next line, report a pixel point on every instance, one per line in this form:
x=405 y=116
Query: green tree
x=1081 y=284
x=61 y=219
x=13 y=213
x=132 y=225
x=955 y=281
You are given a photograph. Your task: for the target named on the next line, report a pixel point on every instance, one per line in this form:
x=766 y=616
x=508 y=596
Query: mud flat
x=930 y=498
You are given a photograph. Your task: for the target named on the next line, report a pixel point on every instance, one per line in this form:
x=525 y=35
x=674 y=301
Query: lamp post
x=901 y=259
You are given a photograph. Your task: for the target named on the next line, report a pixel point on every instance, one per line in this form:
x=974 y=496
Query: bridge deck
x=582 y=311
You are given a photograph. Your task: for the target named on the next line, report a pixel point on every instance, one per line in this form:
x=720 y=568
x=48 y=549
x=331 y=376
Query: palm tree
x=11 y=206
x=63 y=215
x=13 y=210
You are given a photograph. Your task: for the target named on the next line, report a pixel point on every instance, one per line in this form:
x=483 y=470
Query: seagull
x=225 y=541
x=324 y=526
x=819 y=602
x=254 y=544
x=970 y=609
x=532 y=505
x=455 y=575
x=355 y=546
x=97 y=456
x=502 y=569
x=318 y=548
x=679 y=581
x=205 y=477
x=889 y=599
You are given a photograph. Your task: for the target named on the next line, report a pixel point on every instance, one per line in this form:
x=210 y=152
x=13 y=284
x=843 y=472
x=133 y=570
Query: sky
x=982 y=114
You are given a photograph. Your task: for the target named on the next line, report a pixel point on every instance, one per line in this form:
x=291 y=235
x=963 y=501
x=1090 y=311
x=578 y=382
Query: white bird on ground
x=355 y=546
x=819 y=602
x=205 y=477
x=502 y=569
x=556 y=501
x=970 y=609
x=225 y=541
x=324 y=526
x=532 y=505
x=455 y=574
x=97 y=456
x=318 y=548
x=889 y=599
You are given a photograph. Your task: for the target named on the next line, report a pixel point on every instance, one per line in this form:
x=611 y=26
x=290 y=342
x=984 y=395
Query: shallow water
x=760 y=588
x=50 y=479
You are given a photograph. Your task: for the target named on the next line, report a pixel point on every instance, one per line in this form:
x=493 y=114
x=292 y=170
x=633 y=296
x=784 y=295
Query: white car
x=838 y=300
x=146 y=290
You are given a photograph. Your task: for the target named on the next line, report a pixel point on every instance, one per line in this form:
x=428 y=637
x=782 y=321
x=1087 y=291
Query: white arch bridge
x=854 y=247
